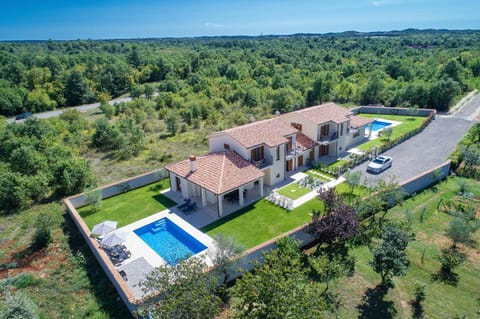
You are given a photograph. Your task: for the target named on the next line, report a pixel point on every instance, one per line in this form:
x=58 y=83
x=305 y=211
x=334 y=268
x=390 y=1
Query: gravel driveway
x=427 y=149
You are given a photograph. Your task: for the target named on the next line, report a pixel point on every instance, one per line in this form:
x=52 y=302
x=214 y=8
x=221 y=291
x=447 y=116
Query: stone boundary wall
x=427 y=178
x=123 y=290
x=392 y=111
x=245 y=261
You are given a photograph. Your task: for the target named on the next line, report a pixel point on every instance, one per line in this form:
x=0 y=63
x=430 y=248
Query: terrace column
x=204 y=198
x=370 y=129
x=261 y=187
x=220 y=205
x=240 y=196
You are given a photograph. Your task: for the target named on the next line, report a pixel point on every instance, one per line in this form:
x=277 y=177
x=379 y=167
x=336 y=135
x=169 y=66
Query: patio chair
x=123 y=274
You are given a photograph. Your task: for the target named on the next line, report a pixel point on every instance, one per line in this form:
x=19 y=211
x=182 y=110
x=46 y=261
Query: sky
x=120 y=19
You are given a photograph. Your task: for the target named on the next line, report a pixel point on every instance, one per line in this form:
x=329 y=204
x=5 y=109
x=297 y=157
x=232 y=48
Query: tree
x=460 y=231
x=107 y=109
x=171 y=120
x=106 y=137
x=389 y=255
x=77 y=90
x=353 y=180
x=223 y=259
x=387 y=133
x=188 y=291
x=148 y=90
x=73 y=175
x=372 y=93
x=18 y=306
x=93 y=198
x=278 y=288
x=339 y=222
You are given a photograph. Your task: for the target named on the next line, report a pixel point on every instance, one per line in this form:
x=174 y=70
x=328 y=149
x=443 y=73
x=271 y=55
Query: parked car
x=379 y=164
x=23 y=116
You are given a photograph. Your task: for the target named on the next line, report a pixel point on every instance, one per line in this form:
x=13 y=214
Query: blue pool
x=170 y=241
x=378 y=125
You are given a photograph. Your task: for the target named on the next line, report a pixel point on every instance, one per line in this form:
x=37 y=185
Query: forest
x=258 y=74
x=183 y=90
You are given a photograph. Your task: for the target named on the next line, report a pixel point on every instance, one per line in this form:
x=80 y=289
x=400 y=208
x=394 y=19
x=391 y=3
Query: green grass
x=262 y=221
x=129 y=207
x=408 y=124
x=442 y=300
x=294 y=191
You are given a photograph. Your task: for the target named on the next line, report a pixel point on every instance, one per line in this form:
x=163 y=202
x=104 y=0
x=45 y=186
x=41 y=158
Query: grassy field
x=294 y=191
x=64 y=280
x=129 y=207
x=442 y=300
x=409 y=123
x=262 y=221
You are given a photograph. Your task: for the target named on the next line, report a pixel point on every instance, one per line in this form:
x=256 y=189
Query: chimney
x=193 y=163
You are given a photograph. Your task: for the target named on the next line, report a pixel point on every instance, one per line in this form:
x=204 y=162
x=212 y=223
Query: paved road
x=428 y=149
x=81 y=108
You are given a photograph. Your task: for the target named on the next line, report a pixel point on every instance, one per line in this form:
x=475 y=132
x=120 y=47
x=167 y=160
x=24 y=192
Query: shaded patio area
x=203 y=216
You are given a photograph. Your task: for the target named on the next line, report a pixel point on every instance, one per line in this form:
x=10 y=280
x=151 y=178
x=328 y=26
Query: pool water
x=378 y=125
x=169 y=240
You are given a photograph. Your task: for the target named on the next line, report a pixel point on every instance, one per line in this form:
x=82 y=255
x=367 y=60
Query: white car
x=379 y=164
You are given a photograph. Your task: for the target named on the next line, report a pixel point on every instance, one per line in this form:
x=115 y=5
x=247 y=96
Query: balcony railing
x=328 y=139
x=267 y=161
x=294 y=152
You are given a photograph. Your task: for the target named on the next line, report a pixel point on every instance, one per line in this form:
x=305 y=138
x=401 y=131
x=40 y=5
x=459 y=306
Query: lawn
x=294 y=191
x=262 y=221
x=409 y=123
x=131 y=206
x=442 y=300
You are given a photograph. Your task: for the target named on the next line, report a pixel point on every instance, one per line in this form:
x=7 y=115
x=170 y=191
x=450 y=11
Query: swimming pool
x=169 y=240
x=378 y=125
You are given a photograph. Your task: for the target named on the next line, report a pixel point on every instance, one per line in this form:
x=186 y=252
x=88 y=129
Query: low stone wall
x=427 y=178
x=122 y=186
x=123 y=290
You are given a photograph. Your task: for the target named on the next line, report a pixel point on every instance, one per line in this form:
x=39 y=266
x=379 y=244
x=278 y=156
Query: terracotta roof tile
x=271 y=132
x=325 y=113
x=304 y=142
x=218 y=172
x=357 y=121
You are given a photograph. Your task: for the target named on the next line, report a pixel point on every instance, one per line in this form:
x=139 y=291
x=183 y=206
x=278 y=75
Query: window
x=278 y=153
x=341 y=129
x=226 y=146
x=298 y=126
x=289 y=144
x=324 y=131
x=257 y=154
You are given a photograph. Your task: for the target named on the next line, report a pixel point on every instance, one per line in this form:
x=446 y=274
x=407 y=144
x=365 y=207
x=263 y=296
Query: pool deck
x=374 y=134
x=146 y=256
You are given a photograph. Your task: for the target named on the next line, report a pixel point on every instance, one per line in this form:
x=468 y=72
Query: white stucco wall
x=276 y=172
x=216 y=143
x=309 y=128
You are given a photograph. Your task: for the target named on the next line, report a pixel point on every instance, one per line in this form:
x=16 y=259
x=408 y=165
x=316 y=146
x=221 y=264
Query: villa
x=244 y=159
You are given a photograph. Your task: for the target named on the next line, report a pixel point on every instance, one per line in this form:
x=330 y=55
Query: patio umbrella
x=113 y=239
x=104 y=227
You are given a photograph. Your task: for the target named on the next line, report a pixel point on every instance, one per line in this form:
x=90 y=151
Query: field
x=360 y=299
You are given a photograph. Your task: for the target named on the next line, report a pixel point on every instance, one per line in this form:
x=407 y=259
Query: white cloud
x=378 y=3
x=212 y=25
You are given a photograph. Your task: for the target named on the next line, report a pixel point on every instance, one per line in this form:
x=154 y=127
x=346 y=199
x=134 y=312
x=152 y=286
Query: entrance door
x=289 y=165
x=300 y=160
x=323 y=150
x=312 y=155
x=179 y=184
